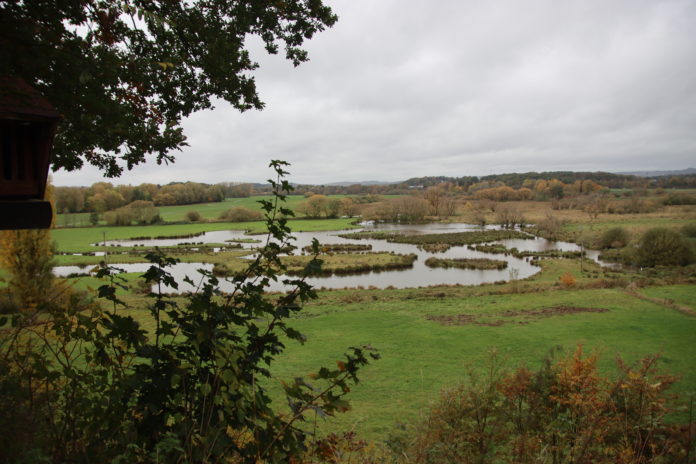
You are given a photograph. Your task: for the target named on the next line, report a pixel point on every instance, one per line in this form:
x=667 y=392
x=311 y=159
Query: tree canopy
x=124 y=74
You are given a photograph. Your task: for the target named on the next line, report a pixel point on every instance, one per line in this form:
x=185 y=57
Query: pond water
x=418 y=276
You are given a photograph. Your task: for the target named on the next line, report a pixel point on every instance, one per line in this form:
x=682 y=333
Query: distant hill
x=609 y=179
x=363 y=182
x=682 y=172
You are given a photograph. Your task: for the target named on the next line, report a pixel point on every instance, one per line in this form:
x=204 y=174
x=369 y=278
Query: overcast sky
x=406 y=88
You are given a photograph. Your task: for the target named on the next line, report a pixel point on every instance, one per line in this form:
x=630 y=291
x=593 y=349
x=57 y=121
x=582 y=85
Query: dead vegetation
x=521 y=317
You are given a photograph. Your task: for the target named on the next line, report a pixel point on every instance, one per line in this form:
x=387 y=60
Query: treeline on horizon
x=607 y=179
x=101 y=197
x=514 y=180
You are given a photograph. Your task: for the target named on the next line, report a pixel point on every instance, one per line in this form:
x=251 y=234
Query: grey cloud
x=399 y=89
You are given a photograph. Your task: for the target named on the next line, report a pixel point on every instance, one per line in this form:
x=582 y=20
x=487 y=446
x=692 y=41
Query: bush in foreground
x=566 y=412
x=184 y=383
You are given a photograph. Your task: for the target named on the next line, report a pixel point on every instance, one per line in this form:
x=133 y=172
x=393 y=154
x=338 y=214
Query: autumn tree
x=70 y=199
x=508 y=217
x=315 y=206
x=556 y=189
x=348 y=207
x=595 y=205
x=449 y=206
x=139 y=212
x=550 y=226
x=434 y=196
x=27 y=256
x=238 y=190
x=525 y=194
x=402 y=209
x=333 y=207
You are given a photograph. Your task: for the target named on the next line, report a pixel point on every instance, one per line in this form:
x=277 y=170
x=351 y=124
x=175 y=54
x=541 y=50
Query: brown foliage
x=240 y=214
x=567 y=280
x=402 y=209
x=566 y=412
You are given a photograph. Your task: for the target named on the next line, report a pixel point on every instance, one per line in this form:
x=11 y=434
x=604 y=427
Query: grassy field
x=80 y=239
x=213 y=210
x=429 y=337
x=420 y=355
x=178 y=212
x=684 y=294
x=209 y=211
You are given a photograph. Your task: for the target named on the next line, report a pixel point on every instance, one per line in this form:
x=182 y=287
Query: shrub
x=567 y=279
x=549 y=227
x=241 y=214
x=566 y=411
x=616 y=237
x=508 y=217
x=193 y=216
x=689 y=230
x=664 y=247
x=680 y=199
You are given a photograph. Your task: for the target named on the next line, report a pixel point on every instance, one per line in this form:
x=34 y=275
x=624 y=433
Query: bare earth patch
x=512 y=316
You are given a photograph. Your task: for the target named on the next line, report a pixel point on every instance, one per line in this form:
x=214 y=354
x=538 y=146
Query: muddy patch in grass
x=512 y=316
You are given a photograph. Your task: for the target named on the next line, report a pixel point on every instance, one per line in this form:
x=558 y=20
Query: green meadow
x=208 y=211
x=178 y=212
x=430 y=338
x=213 y=210
x=421 y=354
